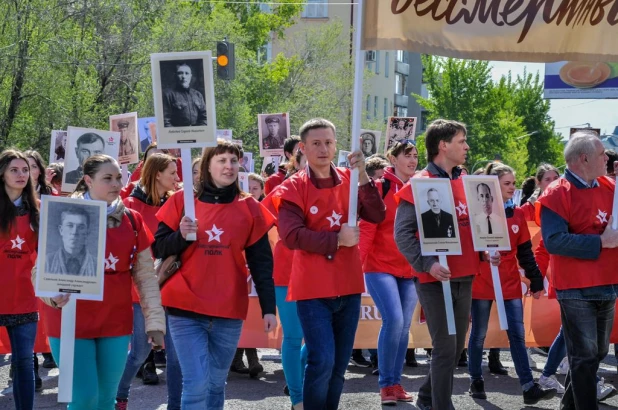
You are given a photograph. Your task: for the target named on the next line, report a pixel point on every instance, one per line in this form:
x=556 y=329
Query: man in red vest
x=576 y=218
x=446 y=146
x=327 y=277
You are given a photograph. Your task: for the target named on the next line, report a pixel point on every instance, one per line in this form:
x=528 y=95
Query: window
x=387 y=63
x=368 y=106
x=315 y=9
x=265 y=53
x=377 y=61
x=400 y=56
x=423 y=120
x=401 y=111
x=400 y=84
x=385 y=107
x=375 y=107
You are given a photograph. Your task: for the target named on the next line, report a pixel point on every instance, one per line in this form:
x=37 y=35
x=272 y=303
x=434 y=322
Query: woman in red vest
x=103 y=329
x=389 y=276
x=19 y=227
x=483 y=296
x=158 y=178
x=207 y=298
x=545 y=175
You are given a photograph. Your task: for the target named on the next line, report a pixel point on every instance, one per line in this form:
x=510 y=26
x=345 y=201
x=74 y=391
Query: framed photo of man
x=184 y=99
x=71 y=257
x=58 y=146
x=81 y=144
x=224 y=135
x=126 y=125
x=147 y=132
x=243 y=181
x=246 y=162
x=436 y=215
x=487 y=216
x=370 y=141
x=270 y=165
x=399 y=129
x=273 y=129
x=342 y=159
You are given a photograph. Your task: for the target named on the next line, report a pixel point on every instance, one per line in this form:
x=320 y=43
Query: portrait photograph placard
x=273 y=129
x=243 y=181
x=436 y=215
x=342 y=159
x=487 y=216
x=246 y=162
x=81 y=144
x=147 y=132
x=71 y=257
x=270 y=165
x=58 y=146
x=184 y=99
x=126 y=125
x=370 y=141
x=224 y=135
x=399 y=129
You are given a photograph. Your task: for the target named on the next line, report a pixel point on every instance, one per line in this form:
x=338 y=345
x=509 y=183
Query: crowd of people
x=312 y=276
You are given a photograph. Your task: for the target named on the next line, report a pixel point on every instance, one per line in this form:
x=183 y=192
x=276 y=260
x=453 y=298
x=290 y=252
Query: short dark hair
x=527 y=189
x=441 y=130
x=613 y=156
x=314 y=124
x=75 y=210
x=89 y=138
x=373 y=164
x=290 y=143
x=482 y=184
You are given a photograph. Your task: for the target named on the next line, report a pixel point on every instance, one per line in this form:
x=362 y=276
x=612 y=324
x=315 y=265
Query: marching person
x=545 y=175
x=38 y=173
x=158 y=178
x=326 y=280
x=290 y=147
x=207 y=298
x=389 y=277
x=19 y=228
x=103 y=329
x=447 y=149
x=510 y=281
x=576 y=227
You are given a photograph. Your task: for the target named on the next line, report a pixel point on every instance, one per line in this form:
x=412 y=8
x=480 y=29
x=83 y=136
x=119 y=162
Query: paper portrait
x=370 y=141
x=243 y=181
x=273 y=130
x=399 y=129
x=246 y=162
x=436 y=215
x=58 y=146
x=224 y=135
x=342 y=159
x=487 y=216
x=71 y=255
x=126 y=125
x=184 y=99
x=147 y=132
x=270 y=165
x=81 y=144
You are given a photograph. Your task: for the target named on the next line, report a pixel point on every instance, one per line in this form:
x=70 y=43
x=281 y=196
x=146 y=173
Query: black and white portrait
x=437 y=223
x=57 y=151
x=342 y=159
x=147 y=132
x=273 y=131
x=246 y=162
x=126 y=125
x=183 y=94
x=270 y=165
x=72 y=246
x=399 y=129
x=370 y=141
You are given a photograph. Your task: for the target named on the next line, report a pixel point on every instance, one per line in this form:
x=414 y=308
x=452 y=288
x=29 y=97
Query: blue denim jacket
x=559 y=241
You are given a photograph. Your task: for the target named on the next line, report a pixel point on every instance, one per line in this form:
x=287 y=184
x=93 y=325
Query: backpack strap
x=386 y=185
x=131 y=219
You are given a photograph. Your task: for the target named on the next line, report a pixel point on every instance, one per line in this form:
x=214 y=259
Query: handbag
x=166 y=268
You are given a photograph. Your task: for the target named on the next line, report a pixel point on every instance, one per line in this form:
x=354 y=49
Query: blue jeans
x=395 y=299
x=98 y=367
x=587 y=325
x=22 y=345
x=293 y=353
x=329 y=326
x=516 y=334
x=205 y=349
x=140 y=348
x=173 y=372
x=557 y=351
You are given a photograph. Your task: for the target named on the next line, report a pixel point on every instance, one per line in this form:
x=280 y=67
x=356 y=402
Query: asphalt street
x=360 y=390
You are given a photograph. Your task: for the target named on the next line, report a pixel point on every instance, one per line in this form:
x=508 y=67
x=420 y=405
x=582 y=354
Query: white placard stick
x=448 y=299
x=495 y=278
x=67 y=351
x=187 y=185
x=124 y=170
x=359 y=72
x=615 y=210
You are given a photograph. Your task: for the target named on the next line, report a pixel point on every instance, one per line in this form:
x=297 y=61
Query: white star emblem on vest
x=110 y=262
x=602 y=216
x=461 y=209
x=334 y=219
x=17 y=242
x=214 y=234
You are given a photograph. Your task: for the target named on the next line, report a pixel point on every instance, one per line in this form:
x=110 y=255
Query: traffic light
x=225 y=60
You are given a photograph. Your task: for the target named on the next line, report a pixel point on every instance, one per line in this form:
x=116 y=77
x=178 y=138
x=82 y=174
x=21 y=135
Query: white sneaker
x=605 y=391
x=551 y=383
x=563 y=368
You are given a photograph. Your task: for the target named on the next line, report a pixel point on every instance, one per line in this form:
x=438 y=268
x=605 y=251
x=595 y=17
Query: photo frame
x=246 y=162
x=243 y=181
x=71 y=226
x=487 y=215
x=270 y=165
x=128 y=148
x=436 y=214
x=58 y=146
x=184 y=99
x=399 y=129
x=370 y=142
x=273 y=130
x=224 y=135
x=342 y=159
x=147 y=132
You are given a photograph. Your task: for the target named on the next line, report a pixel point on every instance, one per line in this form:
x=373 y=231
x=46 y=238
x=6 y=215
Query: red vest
x=510 y=278
x=313 y=275
x=114 y=315
x=274 y=180
x=212 y=279
x=587 y=212
x=379 y=252
x=466 y=264
x=282 y=255
x=17 y=257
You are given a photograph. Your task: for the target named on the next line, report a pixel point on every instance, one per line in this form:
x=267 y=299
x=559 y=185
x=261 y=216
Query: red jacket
x=274 y=180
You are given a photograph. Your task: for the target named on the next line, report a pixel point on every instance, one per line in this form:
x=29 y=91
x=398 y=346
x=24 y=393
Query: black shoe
x=255 y=368
x=411 y=358
x=48 y=361
x=536 y=393
x=358 y=359
x=463 y=359
x=422 y=405
x=38 y=383
x=477 y=389
x=149 y=374
x=238 y=366
x=495 y=366
x=159 y=358
x=286 y=390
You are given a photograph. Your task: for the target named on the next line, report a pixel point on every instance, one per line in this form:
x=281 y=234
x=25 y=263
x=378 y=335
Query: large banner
x=526 y=30
x=581 y=79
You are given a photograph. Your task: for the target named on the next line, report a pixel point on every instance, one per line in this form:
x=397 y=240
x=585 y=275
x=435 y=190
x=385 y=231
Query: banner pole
x=67 y=351
x=495 y=278
x=187 y=185
x=448 y=299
